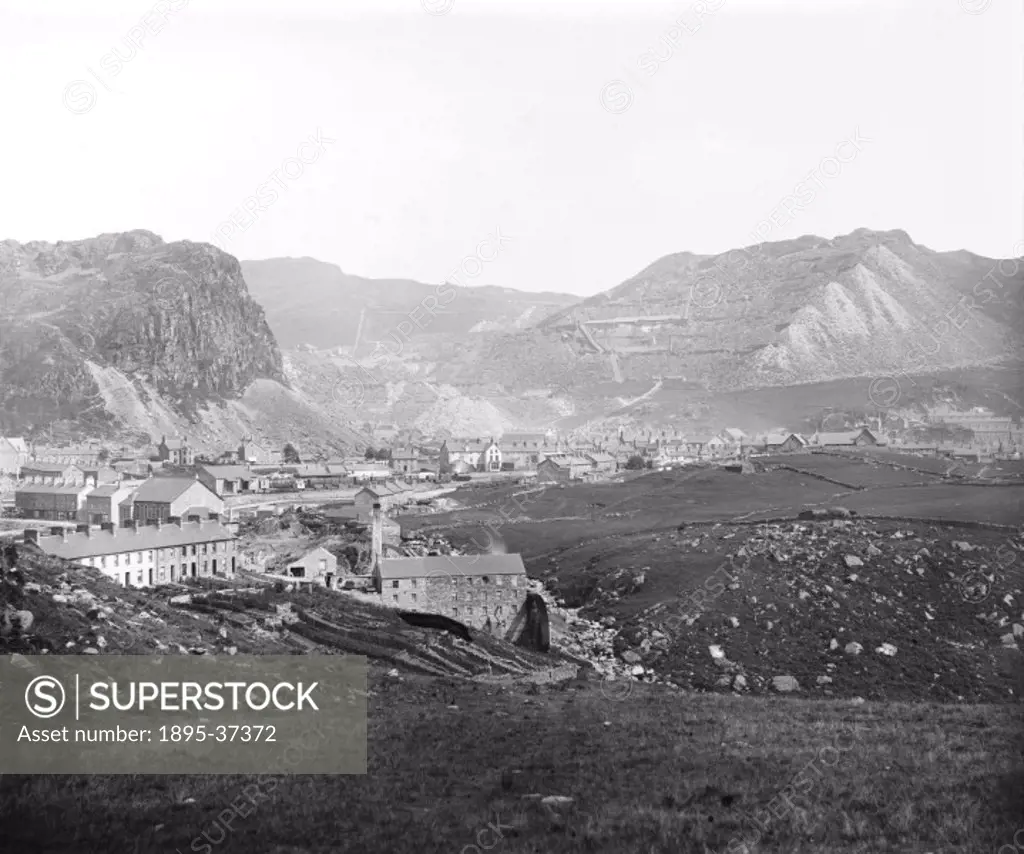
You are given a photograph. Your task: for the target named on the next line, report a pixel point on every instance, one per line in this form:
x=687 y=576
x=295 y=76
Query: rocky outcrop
x=176 y=319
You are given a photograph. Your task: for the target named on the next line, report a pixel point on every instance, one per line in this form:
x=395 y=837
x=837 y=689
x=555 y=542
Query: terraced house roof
x=120 y=540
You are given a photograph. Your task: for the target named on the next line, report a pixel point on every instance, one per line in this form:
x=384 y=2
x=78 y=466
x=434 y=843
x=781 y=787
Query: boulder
x=853 y=648
x=785 y=684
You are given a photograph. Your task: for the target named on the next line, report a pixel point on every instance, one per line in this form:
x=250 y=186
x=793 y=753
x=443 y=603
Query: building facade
x=162 y=498
x=175 y=451
x=57 y=503
x=147 y=555
x=482 y=591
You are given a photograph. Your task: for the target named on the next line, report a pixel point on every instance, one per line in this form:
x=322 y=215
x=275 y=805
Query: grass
x=656 y=771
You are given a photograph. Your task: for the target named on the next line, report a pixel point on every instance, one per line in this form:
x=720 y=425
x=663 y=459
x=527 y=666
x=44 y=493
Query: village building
x=733 y=436
x=318 y=565
x=482 y=591
x=847 y=438
x=164 y=498
x=232 y=480
x=175 y=451
x=56 y=502
x=478 y=455
x=52 y=473
x=601 y=463
x=136 y=555
x=254 y=454
x=368 y=471
x=562 y=468
x=778 y=443
x=134 y=469
x=109 y=503
x=405 y=461
x=68 y=455
x=319 y=475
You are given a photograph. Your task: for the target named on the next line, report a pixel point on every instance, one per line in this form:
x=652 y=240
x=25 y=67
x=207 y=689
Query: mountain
x=314 y=303
x=124 y=333
x=692 y=336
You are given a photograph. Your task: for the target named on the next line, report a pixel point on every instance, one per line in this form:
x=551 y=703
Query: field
x=855 y=471
x=653 y=771
x=919 y=749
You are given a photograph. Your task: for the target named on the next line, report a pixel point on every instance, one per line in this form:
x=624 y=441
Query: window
x=414 y=582
x=413 y=597
x=394 y=585
x=455 y=612
x=395 y=597
x=149 y=555
x=138 y=577
x=499 y=580
x=323 y=568
x=117 y=560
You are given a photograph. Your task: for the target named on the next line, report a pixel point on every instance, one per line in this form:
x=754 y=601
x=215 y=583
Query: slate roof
x=122 y=540
x=229 y=472
x=40 y=489
x=451 y=566
x=164 y=489
x=845 y=437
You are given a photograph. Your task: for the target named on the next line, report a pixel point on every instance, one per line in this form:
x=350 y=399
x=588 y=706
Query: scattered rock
x=824 y=680
x=556 y=800
x=853 y=648
x=785 y=684
x=853 y=561
x=886 y=649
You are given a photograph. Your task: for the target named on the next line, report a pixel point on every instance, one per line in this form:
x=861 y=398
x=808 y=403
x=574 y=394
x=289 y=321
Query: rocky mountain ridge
x=123 y=334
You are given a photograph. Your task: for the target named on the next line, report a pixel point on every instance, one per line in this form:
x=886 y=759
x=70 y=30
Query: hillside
x=806 y=310
x=124 y=334
x=757 y=337
x=315 y=303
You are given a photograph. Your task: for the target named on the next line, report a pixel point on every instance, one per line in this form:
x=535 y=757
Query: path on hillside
x=616 y=370
x=653 y=390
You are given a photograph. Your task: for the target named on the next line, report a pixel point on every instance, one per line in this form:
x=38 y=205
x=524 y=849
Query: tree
x=371 y=454
x=635 y=462
x=384 y=454
x=289 y=454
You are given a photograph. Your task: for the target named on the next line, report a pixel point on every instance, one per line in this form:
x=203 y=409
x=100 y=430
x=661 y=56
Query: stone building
x=482 y=591
x=175 y=451
x=562 y=468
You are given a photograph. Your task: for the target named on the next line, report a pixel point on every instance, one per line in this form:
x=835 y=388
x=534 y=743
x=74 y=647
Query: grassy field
x=652 y=771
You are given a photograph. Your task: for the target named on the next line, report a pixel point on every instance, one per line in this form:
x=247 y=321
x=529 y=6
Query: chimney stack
x=378 y=536
x=56 y=530
x=194 y=517
x=82 y=529
x=174 y=520
x=108 y=526
x=131 y=524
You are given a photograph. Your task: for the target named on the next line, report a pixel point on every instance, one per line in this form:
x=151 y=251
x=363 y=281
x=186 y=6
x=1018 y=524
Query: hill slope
x=315 y=303
x=125 y=334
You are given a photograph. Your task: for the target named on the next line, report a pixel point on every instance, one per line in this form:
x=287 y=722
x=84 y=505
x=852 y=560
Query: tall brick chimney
x=377 y=543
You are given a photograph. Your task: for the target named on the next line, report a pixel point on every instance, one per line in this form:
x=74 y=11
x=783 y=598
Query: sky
x=399 y=138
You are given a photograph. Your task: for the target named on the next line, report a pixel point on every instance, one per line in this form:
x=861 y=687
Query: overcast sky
x=596 y=137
